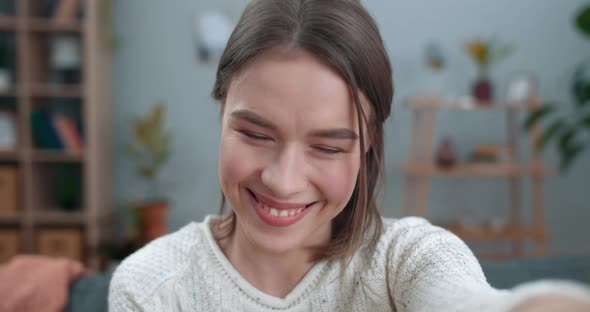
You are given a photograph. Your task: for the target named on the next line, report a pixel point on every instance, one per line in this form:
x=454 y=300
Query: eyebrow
x=340 y=133
x=337 y=133
x=253 y=118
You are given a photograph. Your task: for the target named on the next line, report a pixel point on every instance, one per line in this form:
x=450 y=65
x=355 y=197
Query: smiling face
x=289 y=153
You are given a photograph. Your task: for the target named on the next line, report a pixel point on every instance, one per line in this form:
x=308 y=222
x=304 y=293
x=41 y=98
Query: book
x=67 y=133
x=44 y=133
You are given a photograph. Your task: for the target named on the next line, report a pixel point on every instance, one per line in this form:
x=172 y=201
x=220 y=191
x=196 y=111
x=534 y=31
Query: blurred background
x=109 y=136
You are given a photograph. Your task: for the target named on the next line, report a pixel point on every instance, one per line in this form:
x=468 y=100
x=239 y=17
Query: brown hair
x=343 y=35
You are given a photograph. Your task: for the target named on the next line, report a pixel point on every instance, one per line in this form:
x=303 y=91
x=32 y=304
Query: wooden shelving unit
x=41 y=171
x=420 y=168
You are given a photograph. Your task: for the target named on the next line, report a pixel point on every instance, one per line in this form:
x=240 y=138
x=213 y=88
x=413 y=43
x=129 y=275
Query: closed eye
x=255 y=136
x=327 y=150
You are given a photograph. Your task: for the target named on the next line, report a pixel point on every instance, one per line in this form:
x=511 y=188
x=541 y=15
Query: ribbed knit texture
x=414 y=267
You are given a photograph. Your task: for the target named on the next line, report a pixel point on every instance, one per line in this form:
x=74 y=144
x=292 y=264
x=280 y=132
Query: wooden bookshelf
x=476 y=169
x=58 y=188
x=8 y=23
x=420 y=168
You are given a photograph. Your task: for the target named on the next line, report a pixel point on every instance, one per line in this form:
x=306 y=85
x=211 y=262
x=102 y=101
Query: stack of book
x=56 y=131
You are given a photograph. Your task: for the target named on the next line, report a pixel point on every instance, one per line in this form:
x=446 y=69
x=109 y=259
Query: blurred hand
x=551 y=303
x=37 y=283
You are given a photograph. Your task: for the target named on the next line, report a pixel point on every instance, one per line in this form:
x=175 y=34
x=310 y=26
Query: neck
x=275 y=274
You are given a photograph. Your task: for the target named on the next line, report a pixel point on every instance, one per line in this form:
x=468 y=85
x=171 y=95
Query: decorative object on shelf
x=7 y=131
x=66 y=243
x=445 y=155
x=150 y=150
x=493 y=153
x=484 y=54
x=66 y=59
x=212 y=30
x=6 y=62
x=569 y=132
x=520 y=88
x=434 y=59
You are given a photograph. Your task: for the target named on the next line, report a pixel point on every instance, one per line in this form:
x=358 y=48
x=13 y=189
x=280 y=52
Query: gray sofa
x=90 y=293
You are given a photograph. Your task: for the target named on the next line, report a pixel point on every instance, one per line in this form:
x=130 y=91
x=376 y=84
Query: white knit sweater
x=414 y=267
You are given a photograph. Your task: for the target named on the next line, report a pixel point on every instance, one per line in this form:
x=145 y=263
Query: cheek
x=230 y=169
x=236 y=163
x=337 y=181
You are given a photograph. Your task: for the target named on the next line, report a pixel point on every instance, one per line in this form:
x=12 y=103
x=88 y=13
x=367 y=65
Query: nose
x=285 y=176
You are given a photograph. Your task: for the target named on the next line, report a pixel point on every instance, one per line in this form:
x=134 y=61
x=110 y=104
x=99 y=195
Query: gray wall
x=156 y=60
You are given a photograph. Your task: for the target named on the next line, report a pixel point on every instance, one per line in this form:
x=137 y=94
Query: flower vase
x=483 y=90
x=445 y=155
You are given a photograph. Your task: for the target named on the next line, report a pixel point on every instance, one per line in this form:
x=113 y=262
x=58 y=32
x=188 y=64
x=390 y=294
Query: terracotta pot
x=152 y=220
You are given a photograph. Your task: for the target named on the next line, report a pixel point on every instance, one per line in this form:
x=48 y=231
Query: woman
x=305 y=87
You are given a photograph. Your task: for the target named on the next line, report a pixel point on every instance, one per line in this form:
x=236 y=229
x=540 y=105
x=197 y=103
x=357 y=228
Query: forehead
x=296 y=83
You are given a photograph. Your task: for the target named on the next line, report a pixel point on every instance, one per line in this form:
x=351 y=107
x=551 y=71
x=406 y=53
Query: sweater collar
x=302 y=290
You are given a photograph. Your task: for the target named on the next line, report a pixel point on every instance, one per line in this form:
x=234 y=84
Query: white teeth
x=282 y=212
x=274 y=212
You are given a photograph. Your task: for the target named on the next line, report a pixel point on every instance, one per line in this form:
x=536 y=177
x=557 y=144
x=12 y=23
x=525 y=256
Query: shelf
x=48 y=26
x=10 y=92
x=10 y=220
x=44 y=90
x=9 y=155
x=476 y=169
x=8 y=23
x=60 y=218
x=507 y=233
x=465 y=103
x=58 y=156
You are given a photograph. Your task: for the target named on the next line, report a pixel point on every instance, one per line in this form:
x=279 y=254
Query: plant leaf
x=583 y=20
x=549 y=133
x=569 y=155
x=585 y=121
x=538 y=115
x=566 y=138
x=581 y=85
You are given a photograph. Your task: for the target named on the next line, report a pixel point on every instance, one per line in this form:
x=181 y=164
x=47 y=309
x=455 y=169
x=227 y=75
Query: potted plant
x=570 y=132
x=484 y=54
x=150 y=149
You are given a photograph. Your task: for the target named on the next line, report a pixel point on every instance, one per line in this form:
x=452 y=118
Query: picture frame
x=212 y=29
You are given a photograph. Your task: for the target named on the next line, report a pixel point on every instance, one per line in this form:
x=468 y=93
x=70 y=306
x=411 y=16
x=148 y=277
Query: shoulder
x=412 y=244
x=417 y=233
x=142 y=273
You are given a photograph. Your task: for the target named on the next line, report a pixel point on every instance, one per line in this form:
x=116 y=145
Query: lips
x=278 y=213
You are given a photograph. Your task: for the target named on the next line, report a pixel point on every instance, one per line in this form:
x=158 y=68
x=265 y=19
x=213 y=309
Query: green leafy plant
x=570 y=132
x=150 y=148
